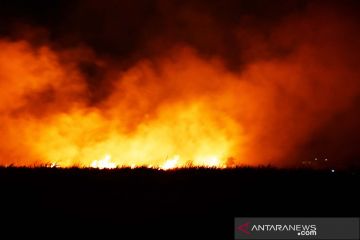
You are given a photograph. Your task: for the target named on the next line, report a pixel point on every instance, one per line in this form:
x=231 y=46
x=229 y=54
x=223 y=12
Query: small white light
x=326 y=159
x=333 y=170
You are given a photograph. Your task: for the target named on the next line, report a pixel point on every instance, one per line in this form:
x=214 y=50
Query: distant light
x=315 y=159
x=333 y=170
x=326 y=159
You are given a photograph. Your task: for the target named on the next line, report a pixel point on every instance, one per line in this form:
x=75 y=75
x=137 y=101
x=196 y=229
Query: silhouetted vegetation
x=194 y=203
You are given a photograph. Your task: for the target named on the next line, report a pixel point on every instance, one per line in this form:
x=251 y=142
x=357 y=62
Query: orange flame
x=180 y=104
x=103 y=163
x=136 y=125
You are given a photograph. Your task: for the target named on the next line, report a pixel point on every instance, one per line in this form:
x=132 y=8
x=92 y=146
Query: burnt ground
x=149 y=204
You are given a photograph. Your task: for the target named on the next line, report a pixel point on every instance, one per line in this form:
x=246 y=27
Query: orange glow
x=177 y=109
x=139 y=124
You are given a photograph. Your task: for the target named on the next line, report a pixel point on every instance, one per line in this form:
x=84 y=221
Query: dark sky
x=126 y=29
x=133 y=29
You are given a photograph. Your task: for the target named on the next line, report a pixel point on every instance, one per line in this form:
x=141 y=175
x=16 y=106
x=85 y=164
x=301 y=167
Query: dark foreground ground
x=149 y=204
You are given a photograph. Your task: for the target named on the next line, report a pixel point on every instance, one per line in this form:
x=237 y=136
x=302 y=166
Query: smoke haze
x=204 y=82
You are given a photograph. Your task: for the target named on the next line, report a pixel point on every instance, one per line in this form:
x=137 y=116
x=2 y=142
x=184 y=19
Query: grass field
x=191 y=203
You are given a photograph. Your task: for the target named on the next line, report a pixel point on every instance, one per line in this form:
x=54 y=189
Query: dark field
x=186 y=203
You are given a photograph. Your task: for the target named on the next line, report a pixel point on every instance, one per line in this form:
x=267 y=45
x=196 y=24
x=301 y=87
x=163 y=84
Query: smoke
x=200 y=82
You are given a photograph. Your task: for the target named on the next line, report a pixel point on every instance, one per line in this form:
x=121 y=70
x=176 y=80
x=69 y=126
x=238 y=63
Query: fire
x=171 y=163
x=210 y=161
x=200 y=109
x=66 y=130
x=104 y=163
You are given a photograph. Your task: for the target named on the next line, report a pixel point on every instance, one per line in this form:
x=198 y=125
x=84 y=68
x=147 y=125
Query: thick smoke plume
x=198 y=83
